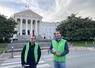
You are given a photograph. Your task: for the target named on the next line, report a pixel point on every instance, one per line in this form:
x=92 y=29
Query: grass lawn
x=3 y=47
x=83 y=43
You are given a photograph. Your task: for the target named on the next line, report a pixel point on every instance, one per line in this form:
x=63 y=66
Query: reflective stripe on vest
x=58 y=47
x=35 y=52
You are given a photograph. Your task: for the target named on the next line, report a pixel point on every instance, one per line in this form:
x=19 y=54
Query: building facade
x=30 y=23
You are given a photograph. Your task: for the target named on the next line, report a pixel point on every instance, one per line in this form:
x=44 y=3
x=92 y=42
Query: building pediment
x=28 y=13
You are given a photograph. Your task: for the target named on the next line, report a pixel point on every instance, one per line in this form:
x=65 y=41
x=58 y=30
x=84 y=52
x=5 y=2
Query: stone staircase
x=28 y=37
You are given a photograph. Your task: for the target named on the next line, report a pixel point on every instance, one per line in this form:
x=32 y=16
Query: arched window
x=18 y=19
x=33 y=22
x=29 y=21
x=38 y=21
x=24 y=21
x=23 y=32
x=28 y=32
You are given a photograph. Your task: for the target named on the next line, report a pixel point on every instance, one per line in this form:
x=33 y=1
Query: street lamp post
x=12 y=49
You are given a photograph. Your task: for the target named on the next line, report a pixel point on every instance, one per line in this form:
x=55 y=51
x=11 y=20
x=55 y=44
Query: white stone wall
x=47 y=29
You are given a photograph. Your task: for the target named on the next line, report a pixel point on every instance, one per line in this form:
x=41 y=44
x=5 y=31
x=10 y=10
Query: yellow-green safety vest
x=59 y=47
x=27 y=51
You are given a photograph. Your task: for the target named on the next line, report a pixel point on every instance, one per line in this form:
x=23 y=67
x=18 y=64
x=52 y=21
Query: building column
x=36 y=28
x=26 y=29
x=21 y=27
x=31 y=28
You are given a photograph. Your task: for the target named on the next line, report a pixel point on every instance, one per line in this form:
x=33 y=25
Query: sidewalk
x=4 y=56
x=8 y=54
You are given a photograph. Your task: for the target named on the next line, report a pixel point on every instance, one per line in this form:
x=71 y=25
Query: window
x=28 y=32
x=33 y=32
x=18 y=19
x=24 y=21
x=23 y=32
x=38 y=21
x=33 y=22
x=29 y=21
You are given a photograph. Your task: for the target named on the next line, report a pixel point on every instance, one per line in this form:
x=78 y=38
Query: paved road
x=75 y=59
x=20 y=45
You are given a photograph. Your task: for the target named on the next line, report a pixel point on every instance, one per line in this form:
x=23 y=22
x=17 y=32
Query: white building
x=30 y=23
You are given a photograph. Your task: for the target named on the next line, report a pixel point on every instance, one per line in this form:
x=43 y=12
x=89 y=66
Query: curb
x=46 y=48
x=19 y=50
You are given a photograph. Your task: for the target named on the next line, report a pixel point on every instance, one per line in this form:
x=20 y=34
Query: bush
x=3 y=47
x=5 y=41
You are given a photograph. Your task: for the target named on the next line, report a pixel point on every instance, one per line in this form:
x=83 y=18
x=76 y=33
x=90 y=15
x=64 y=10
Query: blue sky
x=51 y=10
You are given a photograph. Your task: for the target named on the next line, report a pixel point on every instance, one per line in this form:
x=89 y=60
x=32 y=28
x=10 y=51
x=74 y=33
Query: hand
x=53 y=51
x=58 y=54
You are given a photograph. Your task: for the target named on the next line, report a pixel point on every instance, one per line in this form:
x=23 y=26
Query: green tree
x=77 y=28
x=6 y=28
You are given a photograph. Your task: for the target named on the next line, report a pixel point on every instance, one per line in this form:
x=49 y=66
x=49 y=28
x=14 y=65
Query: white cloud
x=90 y=12
x=59 y=9
x=55 y=13
x=84 y=8
x=6 y=11
x=12 y=6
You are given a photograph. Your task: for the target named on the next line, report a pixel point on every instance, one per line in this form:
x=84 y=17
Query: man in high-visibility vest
x=59 y=49
x=31 y=54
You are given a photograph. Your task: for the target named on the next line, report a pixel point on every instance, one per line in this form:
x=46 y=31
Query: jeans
x=59 y=64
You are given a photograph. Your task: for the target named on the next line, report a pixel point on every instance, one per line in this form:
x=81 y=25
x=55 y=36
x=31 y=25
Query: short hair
x=57 y=31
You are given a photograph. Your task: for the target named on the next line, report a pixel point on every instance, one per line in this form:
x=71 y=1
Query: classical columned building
x=30 y=23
